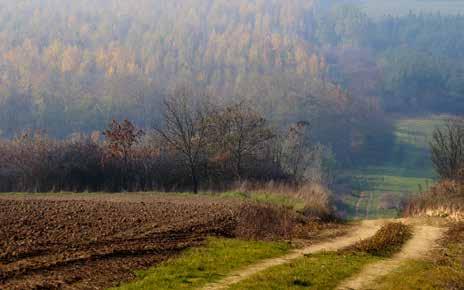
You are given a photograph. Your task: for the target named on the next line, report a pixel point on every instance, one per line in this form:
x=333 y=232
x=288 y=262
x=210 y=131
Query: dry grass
x=316 y=198
x=455 y=233
x=257 y=221
x=265 y=222
x=283 y=211
x=446 y=199
x=387 y=241
x=444 y=269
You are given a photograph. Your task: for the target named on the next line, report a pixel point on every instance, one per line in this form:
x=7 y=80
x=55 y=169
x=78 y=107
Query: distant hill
x=379 y=8
x=72 y=66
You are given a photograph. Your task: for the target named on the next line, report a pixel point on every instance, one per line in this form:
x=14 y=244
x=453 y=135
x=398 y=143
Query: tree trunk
x=194 y=178
x=195 y=184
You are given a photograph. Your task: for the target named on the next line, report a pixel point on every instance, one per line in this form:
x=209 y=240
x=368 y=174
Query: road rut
x=365 y=230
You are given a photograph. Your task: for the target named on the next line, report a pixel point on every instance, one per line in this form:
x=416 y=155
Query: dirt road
x=423 y=240
x=364 y=230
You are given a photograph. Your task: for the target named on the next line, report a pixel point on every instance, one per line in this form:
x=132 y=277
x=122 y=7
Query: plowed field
x=94 y=242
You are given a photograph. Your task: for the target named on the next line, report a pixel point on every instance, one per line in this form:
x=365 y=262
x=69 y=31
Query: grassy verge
x=445 y=270
x=327 y=270
x=198 y=266
x=319 y=271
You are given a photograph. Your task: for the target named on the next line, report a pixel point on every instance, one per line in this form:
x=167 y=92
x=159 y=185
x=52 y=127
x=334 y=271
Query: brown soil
x=97 y=241
x=93 y=242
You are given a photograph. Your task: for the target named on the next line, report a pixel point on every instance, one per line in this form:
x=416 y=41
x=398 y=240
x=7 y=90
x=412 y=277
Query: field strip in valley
x=365 y=230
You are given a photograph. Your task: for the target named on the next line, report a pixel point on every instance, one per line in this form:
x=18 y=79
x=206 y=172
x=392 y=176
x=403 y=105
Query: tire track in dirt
x=44 y=240
x=424 y=239
x=365 y=230
x=95 y=242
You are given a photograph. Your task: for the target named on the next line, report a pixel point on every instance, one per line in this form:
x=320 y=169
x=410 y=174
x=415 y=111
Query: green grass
x=367 y=180
x=380 y=8
x=198 y=266
x=413 y=275
x=382 y=187
x=328 y=269
x=444 y=272
x=318 y=271
x=418 y=131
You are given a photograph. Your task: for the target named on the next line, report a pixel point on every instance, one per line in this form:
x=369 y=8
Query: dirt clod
x=97 y=241
x=54 y=243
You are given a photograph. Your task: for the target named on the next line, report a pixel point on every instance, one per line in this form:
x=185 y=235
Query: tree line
x=198 y=145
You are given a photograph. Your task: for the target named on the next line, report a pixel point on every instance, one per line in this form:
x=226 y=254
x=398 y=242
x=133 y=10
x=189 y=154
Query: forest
x=68 y=68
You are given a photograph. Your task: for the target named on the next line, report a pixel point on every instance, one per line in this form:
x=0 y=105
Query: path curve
x=424 y=239
x=365 y=230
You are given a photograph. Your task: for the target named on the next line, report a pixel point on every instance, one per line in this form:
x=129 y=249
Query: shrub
x=443 y=199
x=258 y=221
x=265 y=221
x=387 y=241
x=316 y=199
x=447 y=148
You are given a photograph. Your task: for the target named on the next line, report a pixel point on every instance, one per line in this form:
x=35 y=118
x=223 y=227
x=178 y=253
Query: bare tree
x=120 y=138
x=185 y=128
x=297 y=150
x=242 y=133
x=302 y=160
x=447 y=149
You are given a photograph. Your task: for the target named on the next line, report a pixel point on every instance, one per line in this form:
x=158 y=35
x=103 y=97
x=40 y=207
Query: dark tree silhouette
x=447 y=148
x=185 y=128
x=120 y=138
